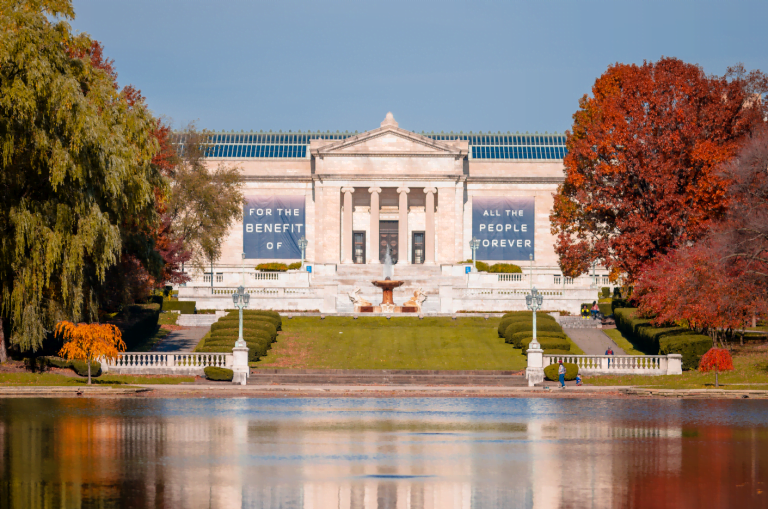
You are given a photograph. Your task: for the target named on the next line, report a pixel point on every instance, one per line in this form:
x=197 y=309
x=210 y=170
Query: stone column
x=346 y=234
x=402 y=226
x=429 y=230
x=373 y=256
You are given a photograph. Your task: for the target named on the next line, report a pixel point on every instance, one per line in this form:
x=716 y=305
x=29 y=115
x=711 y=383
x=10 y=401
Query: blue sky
x=442 y=66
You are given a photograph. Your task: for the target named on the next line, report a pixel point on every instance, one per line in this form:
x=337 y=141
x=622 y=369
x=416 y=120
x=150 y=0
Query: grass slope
x=399 y=343
x=622 y=342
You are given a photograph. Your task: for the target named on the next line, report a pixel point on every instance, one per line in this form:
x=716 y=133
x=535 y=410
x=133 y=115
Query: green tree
x=204 y=202
x=76 y=164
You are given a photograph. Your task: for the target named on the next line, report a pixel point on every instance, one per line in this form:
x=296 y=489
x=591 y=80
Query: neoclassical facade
x=351 y=198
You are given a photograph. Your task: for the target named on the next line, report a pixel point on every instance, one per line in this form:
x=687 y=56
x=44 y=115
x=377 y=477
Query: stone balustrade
x=671 y=364
x=158 y=363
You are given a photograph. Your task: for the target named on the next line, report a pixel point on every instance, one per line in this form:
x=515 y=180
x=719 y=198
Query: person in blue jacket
x=561 y=374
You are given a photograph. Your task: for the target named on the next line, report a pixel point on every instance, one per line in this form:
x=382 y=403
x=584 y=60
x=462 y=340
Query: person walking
x=561 y=374
x=609 y=351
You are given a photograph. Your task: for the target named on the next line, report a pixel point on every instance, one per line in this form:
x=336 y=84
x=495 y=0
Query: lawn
x=49 y=379
x=439 y=343
x=750 y=365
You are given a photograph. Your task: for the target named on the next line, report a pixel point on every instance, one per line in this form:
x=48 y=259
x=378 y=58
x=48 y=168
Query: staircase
x=577 y=322
x=426 y=277
x=386 y=377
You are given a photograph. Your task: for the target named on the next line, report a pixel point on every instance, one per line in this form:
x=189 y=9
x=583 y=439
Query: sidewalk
x=593 y=341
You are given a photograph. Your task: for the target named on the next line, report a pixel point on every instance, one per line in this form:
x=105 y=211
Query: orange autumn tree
x=642 y=165
x=718 y=359
x=90 y=341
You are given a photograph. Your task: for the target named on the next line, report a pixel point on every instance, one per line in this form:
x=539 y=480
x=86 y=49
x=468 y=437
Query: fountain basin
x=387 y=302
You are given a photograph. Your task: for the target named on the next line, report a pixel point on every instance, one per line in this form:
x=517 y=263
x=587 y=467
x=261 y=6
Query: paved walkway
x=593 y=341
x=184 y=340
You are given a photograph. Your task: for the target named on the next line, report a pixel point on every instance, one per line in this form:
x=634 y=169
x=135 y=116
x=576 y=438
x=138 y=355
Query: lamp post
x=473 y=245
x=535 y=370
x=594 y=277
x=303 y=246
x=240 y=351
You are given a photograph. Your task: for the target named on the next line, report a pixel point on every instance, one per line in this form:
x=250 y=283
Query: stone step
x=577 y=322
x=258 y=377
x=198 y=320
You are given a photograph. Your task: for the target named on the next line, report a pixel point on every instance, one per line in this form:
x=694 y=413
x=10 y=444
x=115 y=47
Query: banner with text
x=272 y=227
x=504 y=227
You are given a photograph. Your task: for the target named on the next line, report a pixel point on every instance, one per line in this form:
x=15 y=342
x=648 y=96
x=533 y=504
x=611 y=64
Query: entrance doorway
x=417 y=254
x=358 y=247
x=388 y=237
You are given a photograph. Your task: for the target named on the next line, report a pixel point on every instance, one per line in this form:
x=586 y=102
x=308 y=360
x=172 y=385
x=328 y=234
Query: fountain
x=387 y=285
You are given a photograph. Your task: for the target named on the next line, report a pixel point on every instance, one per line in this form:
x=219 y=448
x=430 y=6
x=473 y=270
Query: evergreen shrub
x=219 y=374
x=185 y=307
x=247 y=325
x=541 y=326
x=571 y=370
x=294 y=266
x=505 y=322
x=272 y=267
x=605 y=292
x=516 y=338
x=505 y=268
x=547 y=343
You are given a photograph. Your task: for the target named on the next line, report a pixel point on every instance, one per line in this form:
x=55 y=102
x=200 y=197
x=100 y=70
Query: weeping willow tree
x=75 y=154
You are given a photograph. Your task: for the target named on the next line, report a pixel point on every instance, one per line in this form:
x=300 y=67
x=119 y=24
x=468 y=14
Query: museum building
x=346 y=200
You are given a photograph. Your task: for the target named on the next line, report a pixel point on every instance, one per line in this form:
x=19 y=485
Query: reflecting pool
x=319 y=453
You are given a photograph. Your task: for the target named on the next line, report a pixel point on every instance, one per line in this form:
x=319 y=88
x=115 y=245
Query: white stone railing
x=496 y=293
x=266 y=276
x=622 y=364
x=158 y=363
x=514 y=278
x=255 y=292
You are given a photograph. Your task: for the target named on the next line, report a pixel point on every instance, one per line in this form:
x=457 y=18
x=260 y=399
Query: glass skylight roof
x=295 y=145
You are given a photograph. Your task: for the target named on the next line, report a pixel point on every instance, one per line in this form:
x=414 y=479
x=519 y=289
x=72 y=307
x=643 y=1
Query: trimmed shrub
x=481 y=266
x=546 y=343
x=81 y=368
x=272 y=316
x=505 y=268
x=219 y=374
x=617 y=303
x=571 y=370
x=272 y=267
x=605 y=308
x=517 y=337
x=541 y=326
x=185 y=307
x=516 y=313
x=691 y=346
x=505 y=322
x=265 y=326
x=294 y=266
x=605 y=292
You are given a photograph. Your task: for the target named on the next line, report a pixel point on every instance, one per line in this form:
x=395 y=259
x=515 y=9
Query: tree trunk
x=741 y=337
x=89 y=371
x=3 y=349
x=716 y=381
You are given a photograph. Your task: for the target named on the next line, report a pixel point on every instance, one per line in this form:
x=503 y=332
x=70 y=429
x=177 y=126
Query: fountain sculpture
x=387 y=285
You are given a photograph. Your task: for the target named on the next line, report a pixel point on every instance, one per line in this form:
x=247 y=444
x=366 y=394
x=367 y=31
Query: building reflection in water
x=321 y=454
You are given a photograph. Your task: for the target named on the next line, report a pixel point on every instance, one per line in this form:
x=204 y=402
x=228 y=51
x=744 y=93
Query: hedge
x=272 y=267
x=571 y=370
x=605 y=308
x=273 y=316
x=79 y=367
x=547 y=343
x=605 y=292
x=294 y=266
x=219 y=374
x=138 y=332
x=247 y=325
x=514 y=339
x=662 y=340
x=691 y=346
x=505 y=268
x=480 y=266
x=541 y=326
x=185 y=307
x=505 y=322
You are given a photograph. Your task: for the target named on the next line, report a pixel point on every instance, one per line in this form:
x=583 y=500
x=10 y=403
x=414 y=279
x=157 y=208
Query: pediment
x=388 y=140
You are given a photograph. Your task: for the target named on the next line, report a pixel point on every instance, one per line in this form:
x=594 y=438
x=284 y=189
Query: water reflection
x=382 y=453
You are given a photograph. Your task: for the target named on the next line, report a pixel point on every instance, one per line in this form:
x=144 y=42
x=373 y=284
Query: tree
x=203 y=202
x=90 y=341
x=695 y=286
x=718 y=359
x=76 y=165
x=642 y=164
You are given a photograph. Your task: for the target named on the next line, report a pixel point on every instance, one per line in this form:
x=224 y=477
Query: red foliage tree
x=718 y=359
x=695 y=286
x=642 y=164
